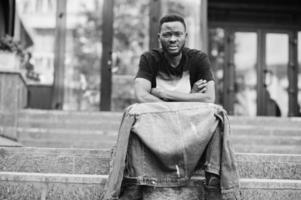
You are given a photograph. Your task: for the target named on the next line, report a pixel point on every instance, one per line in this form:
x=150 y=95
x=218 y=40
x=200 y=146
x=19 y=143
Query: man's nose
x=173 y=38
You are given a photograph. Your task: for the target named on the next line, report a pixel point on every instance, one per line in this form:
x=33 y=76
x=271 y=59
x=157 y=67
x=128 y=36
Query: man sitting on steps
x=160 y=145
x=175 y=73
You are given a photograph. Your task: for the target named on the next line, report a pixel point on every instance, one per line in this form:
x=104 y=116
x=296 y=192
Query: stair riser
x=266 y=140
x=97 y=162
x=71 y=125
x=106 y=139
x=267 y=121
x=109 y=124
x=49 y=191
x=97 y=140
x=86 y=127
x=271 y=131
x=89 y=144
x=70 y=115
x=116 y=116
x=111 y=135
x=235 y=133
x=67 y=144
x=18 y=187
x=271 y=149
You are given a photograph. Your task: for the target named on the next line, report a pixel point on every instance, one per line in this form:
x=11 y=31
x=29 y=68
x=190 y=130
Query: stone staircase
x=66 y=155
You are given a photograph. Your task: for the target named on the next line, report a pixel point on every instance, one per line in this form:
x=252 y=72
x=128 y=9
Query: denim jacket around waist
x=172 y=138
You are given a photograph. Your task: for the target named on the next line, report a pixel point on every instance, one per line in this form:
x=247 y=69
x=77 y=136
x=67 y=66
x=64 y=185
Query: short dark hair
x=172 y=18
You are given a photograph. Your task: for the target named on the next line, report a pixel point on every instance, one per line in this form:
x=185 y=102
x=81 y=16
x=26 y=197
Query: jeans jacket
x=161 y=145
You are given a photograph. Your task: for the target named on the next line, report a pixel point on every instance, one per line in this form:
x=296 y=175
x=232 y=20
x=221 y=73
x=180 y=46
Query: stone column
x=13 y=97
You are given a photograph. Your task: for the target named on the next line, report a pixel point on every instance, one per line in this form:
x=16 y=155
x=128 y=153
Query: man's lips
x=172 y=47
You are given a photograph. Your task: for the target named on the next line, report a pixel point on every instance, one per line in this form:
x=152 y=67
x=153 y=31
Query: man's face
x=172 y=37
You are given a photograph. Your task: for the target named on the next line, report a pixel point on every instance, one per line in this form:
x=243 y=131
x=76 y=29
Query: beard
x=171 y=53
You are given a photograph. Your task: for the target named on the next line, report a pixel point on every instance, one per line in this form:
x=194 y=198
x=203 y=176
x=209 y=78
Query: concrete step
x=65 y=129
x=265 y=140
x=110 y=121
x=109 y=129
x=263 y=121
x=269 y=149
x=51 y=160
x=269 y=130
x=41 y=186
x=92 y=161
x=58 y=115
x=113 y=125
x=84 y=124
x=34 y=186
x=65 y=138
x=83 y=117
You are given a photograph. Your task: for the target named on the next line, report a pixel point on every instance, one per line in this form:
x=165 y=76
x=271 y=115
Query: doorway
x=260 y=72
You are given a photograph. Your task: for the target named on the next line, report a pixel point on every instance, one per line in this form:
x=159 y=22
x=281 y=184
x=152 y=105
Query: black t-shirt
x=193 y=66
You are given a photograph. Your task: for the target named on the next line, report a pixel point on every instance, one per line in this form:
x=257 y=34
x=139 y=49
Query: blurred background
x=82 y=55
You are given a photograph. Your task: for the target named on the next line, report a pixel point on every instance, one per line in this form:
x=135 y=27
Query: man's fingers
x=202 y=85
x=201 y=82
x=203 y=90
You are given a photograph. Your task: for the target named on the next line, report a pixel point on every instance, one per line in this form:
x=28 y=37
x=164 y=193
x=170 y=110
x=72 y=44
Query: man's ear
x=158 y=39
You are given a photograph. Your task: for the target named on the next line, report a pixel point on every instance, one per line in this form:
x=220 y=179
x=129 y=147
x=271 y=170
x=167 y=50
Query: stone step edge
x=113 y=127
x=119 y=113
x=114 y=133
x=109 y=132
x=64 y=112
x=106 y=151
x=279 y=184
x=96 y=120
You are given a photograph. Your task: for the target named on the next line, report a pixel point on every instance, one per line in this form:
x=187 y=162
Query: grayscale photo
x=150 y=100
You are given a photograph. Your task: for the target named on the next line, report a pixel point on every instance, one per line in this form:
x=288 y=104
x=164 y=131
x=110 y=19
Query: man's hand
x=199 y=86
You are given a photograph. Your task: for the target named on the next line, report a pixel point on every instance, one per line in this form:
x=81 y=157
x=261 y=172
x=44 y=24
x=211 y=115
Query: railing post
x=106 y=58
x=59 y=55
x=154 y=17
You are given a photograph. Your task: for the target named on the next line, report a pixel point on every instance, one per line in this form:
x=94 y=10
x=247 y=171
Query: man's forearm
x=147 y=97
x=179 y=96
x=196 y=97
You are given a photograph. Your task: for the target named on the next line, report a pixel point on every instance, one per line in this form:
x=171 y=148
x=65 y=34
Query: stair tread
x=97 y=161
x=117 y=115
x=93 y=178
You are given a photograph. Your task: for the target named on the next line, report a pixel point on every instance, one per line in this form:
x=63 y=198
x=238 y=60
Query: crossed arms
x=201 y=91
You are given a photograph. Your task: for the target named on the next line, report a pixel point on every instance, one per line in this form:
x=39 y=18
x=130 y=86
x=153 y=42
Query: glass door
x=245 y=60
x=240 y=72
x=275 y=73
x=279 y=72
x=260 y=73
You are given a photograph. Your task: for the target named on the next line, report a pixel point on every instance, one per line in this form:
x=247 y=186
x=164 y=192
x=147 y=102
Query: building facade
x=87 y=52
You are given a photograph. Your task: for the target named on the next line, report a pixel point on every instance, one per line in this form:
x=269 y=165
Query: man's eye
x=166 y=35
x=170 y=34
x=178 y=34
